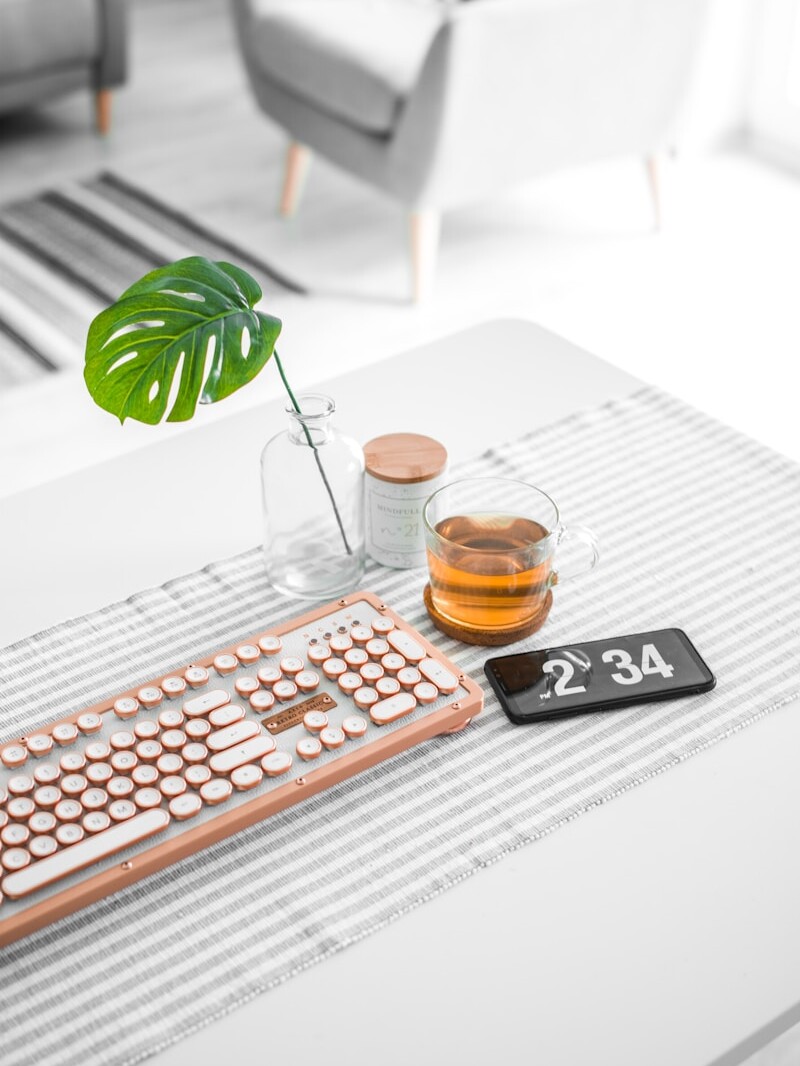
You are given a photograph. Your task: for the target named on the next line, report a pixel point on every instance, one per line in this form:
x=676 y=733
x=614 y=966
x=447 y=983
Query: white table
x=660 y=929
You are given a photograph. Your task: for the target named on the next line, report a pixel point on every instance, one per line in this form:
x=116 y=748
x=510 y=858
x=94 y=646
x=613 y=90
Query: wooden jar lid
x=404 y=457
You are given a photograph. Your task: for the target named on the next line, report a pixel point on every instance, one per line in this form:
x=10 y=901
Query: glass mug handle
x=583 y=536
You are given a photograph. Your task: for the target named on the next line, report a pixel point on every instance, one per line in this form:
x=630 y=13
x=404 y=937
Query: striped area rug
x=67 y=253
x=670 y=494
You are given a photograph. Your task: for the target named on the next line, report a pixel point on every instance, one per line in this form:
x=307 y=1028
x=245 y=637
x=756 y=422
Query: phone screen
x=598 y=675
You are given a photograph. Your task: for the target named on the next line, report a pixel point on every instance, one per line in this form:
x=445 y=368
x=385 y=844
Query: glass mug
x=492 y=547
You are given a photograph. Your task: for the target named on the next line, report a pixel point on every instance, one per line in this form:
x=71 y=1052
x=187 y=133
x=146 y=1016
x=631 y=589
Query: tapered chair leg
x=102 y=110
x=653 y=171
x=425 y=231
x=297 y=159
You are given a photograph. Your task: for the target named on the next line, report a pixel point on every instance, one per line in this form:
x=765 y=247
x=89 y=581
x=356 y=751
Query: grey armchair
x=50 y=47
x=438 y=104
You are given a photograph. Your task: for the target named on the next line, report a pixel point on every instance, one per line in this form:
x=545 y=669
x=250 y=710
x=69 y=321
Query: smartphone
x=598 y=675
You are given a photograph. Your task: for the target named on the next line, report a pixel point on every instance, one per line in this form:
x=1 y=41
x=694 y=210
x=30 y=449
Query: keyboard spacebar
x=88 y=851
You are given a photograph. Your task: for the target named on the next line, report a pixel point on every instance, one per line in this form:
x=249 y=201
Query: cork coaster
x=487 y=638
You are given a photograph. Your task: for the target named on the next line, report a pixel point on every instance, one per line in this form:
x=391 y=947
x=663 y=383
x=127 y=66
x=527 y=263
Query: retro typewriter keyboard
x=112 y=793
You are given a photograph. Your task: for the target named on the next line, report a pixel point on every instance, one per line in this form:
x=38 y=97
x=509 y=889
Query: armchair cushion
x=39 y=35
x=355 y=59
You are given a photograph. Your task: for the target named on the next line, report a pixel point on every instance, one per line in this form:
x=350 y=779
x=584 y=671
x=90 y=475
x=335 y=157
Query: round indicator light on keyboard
x=392 y=662
x=365 y=697
x=409 y=676
x=68 y=810
x=41 y=847
x=187 y=806
x=246 y=686
x=170 y=763
x=13 y=756
x=426 y=692
x=372 y=672
x=122 y=740
x=15 y=835
x=46 y=774
x=69 y=833
x=269 y=675
x=318 y=653
x=270 y=645
x=97 y=751
x=354 y=726
x=226 y=715
x=248 y=653
x=382 y=625
x=355 y=657
x=72 y=762
x=307 y=680
x=284 y=691
x=215 y=791
x=226 y=664
x=387 y=686
x=65 y=733
x=89 y=723
x=291 y=665
x=122 y=810
x=20 y=785
x=120 y=787
x=74 y=784
x=340 y=642
x=309 y=748
x=147 y=730
x=126 y=707
x=20 y=807
x=99 y=772
x=334 y=668
x=262 y=701
x=15 y=859
x=197 y=775
x=173 y=739
x=350 y=683
x=377 y=648
x=171 y=719
x=150 y=696
x=94 y=799
x=196 y=676
x=172 y=786
x=245 y=777
x=47 y=796
x=39 y=744
x=96 y=822
x=147 y=798
x=195 y=753
x=149 y=750
x=361 y=634
x=332 y=738
x=199 y=727
x=315 y=720
x=124 y=761
x=144 y=776
x=173 y=686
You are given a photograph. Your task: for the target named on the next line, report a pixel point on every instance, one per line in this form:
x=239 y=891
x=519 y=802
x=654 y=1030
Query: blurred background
x=623 y=172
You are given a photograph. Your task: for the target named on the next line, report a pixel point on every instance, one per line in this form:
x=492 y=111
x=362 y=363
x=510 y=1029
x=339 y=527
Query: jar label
x=396 y=528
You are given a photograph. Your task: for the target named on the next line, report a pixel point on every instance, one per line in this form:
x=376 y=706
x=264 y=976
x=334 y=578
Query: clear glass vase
x=312 y=492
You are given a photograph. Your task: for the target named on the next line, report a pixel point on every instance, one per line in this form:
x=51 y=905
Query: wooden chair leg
x=297 y=159
x=425 y=230
x=102 y=110
x=652 y=169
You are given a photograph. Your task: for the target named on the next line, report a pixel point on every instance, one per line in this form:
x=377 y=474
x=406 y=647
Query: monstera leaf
x=188 y=331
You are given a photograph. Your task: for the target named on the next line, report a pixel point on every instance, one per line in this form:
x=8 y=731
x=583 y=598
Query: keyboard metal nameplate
x=294 y=715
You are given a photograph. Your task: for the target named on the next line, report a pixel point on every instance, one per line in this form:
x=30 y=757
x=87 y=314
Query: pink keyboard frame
x=448 y=719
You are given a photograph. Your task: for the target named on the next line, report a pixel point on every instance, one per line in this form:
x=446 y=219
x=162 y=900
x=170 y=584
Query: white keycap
x=215 y=791
x=233 y=734
x=47 y=796
x=209 y=701
x=425 y=692
x=392 y=662
x=269 y=675
x=89 y=723
x=126 y=707
x=387 y=686
x=69 y=833
x=225 y=761
x=314 y=721
x=405 y=644
x=170 y=719
x=246 y=777
x=94 y=799
x=41 y=847
x=124 y=761
x=173 y=686
x=340 y=642
x=122 y=740
x=269 y=644
x=334 y=668
x=147 y=798
x=246 y=686
x=248 y=653
x=122 y=810
x=20 y=785
x=409 y=676
x=350 y=682
x=361 y=634
x=42 y=822
x=185 y=806
x=377 y=647
x=14 y=859
x=195 y=753
x=309 y=748
x=149 y=750
x=196 y=676
x=276 y=763
x=172 y=786
x=395 y=707
x=145 y=776
x=284 y=691
x=15 y=835
x=13 y=755
x=291 y=665
x=65 y=733
x=197 y=775
x=39 y=744
x=197 y=728
x=354 y=726
x=365 y=698
x=119 y=787
x=147 y=730
x=307 y=680
x=372 y=672
x=438 y=675
x=262 y=701
x=68 y=810
x=150 y=696
x=318 y=653
x=170 y=763
x=226 y=664
x=382 y=625
x=97 y=751
x=45 y=774
x=356 y=657
x=226 y=715
x=332 y=737
x=96 y=822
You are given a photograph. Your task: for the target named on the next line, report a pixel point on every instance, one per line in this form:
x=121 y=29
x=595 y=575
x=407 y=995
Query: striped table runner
x=699 y=527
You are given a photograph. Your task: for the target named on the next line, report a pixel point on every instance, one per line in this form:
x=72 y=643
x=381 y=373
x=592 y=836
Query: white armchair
x=439 y=104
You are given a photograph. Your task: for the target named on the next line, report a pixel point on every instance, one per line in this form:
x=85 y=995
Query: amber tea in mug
x=491 y=547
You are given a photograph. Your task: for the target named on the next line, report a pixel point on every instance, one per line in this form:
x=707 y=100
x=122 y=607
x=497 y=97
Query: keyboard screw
x=300 y=781
x=382 y=607
x=460 y=677
x=456 y=706
x=326 y=699
x=127 y=865
x=342 y=603
x=23 y=741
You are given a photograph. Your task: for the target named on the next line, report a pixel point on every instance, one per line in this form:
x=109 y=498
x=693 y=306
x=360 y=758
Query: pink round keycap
x=96 y=822
x=145 y=776
x=121 y=810
x=197 y=775
x=45 y=774
x=173 y=739
x=340 y=642
x=172 y=786
x=68 y=810
x=124 y=761
x=13 y=755
x=248 y=653
x=39 y=744
x=20 y=785
x=195 y=753
x=170 y=763
x=47 y=796
x=15 y=859
x=426 y=692
x=71 y=785
x=97 y=751
x=42 y=822
x=94 y=799
x=149 y=750
x=215 y=791
x=41 y=847
x=15 y=835
x=122 y=740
